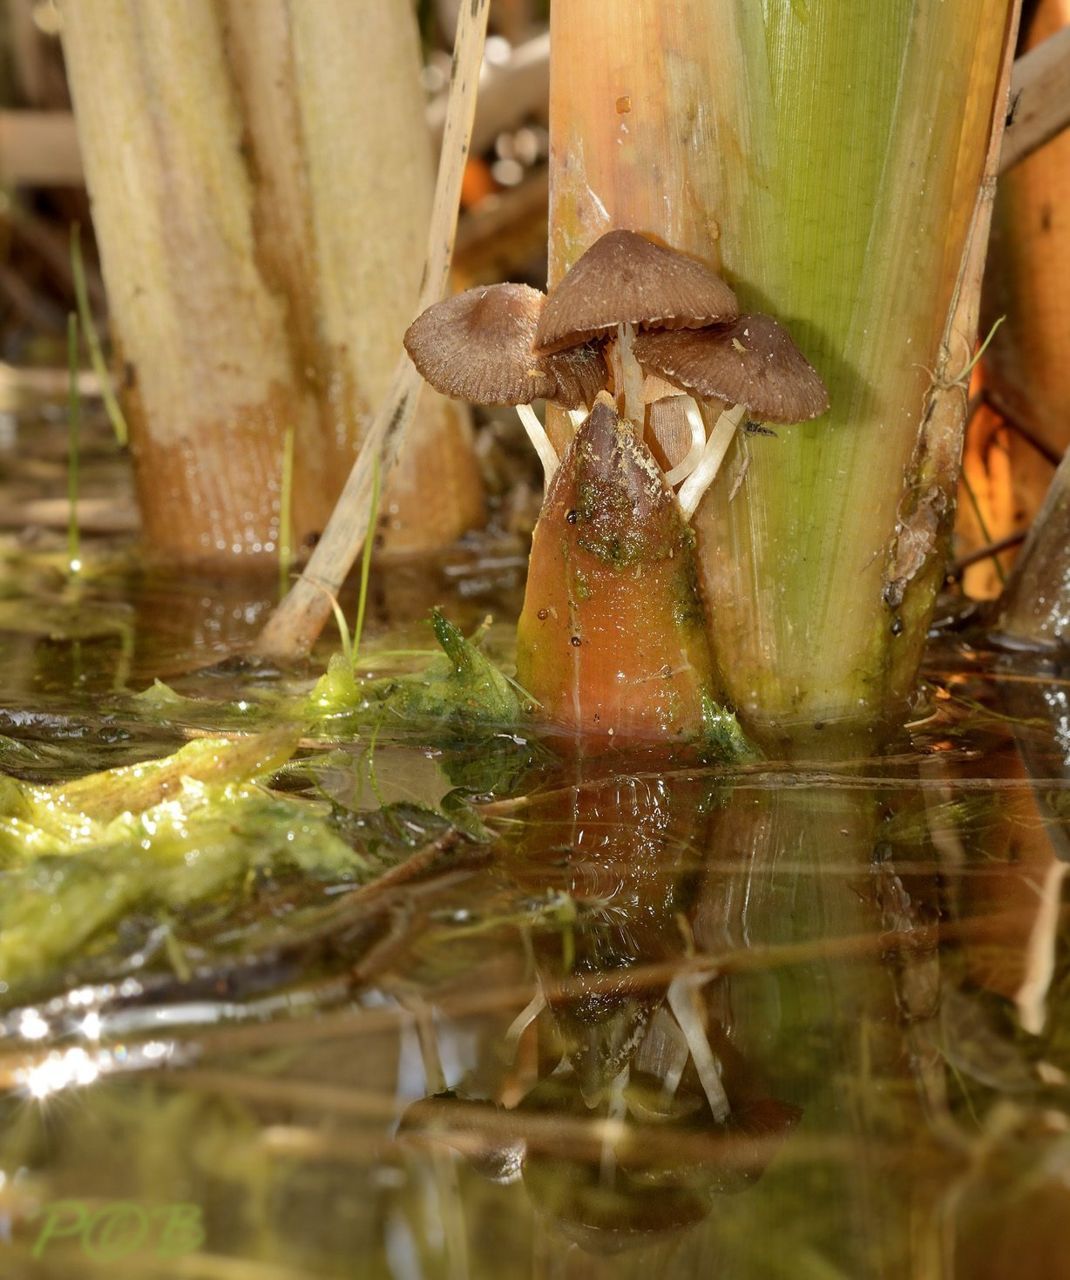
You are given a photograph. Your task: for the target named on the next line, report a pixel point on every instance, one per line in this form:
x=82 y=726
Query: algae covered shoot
x=534 y=701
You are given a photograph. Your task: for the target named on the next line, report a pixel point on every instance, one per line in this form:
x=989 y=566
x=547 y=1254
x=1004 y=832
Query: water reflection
x=672 y=1020
x=624 y=1105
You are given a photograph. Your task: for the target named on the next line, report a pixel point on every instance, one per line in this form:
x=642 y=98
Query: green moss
x=723 y=737
x=608 y=528
x=458 y=691
x=687 y=605
x=157 y=839
x=610 y=525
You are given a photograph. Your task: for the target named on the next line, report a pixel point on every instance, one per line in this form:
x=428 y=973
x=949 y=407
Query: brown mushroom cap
x=624 y=278
x=579 y=372
x=477 y=346
x=751 y=361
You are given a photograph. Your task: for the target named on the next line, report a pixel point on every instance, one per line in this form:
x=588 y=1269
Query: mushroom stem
x=693 y=457
x=631 y=380
x=540 y=441
x=578 y=417
x=613 y=1130
x=691 y=491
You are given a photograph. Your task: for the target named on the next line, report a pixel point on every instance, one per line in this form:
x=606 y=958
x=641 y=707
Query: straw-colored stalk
x=293 y=627
x=261 y=181
x=1025 y=368
x=829 y=157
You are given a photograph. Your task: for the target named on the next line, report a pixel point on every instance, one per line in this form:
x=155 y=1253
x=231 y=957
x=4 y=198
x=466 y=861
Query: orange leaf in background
x=477 y=182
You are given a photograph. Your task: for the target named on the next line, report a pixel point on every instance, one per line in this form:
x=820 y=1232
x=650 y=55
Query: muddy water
x=634 y=1015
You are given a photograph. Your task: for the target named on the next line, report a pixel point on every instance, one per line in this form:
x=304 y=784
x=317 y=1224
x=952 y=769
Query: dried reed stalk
x=293 y=627
x=261 y=179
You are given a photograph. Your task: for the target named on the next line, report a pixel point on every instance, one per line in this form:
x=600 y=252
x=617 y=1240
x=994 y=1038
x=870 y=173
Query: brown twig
x=933 y=476
x=1039 y=101
x=996 y=404
x=960 y=565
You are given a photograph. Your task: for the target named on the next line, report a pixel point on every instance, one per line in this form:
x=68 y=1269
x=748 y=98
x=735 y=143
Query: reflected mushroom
x=481 y=1131
x=477 y=346
x=669 y=1161
x=751 y=364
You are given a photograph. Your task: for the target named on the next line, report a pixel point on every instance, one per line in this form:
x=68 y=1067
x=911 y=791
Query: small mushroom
x=477 y=346
x=623 y=283
x=624 y=278
x=752 y=364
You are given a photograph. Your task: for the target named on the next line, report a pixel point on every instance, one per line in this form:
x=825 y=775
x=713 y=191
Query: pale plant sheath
x=261 y=182
x=293 y=627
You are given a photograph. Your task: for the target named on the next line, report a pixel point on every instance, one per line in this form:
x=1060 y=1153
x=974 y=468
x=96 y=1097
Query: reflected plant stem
x=443 y=1161
x=853 y=1080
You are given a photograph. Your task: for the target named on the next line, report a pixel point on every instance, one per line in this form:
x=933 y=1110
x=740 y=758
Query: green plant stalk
x=286 y=482
x=74 y=426
x=366 y=560
x=92 y=339
x=829 y=157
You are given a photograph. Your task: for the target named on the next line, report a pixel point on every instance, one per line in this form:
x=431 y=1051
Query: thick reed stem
x=270 y=264
x=292 y=629
x=828 y=157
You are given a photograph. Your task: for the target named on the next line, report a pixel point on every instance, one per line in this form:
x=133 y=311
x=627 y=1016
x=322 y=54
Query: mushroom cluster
x=635 y=317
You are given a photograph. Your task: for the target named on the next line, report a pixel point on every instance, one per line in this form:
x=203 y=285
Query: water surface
x=636 y=1015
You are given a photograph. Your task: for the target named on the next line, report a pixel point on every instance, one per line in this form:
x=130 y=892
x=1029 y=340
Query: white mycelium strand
x=693 y=457
x=691 y=491
x=540 y=441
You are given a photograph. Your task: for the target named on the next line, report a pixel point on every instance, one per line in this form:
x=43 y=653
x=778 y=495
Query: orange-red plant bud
x=611 y=640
